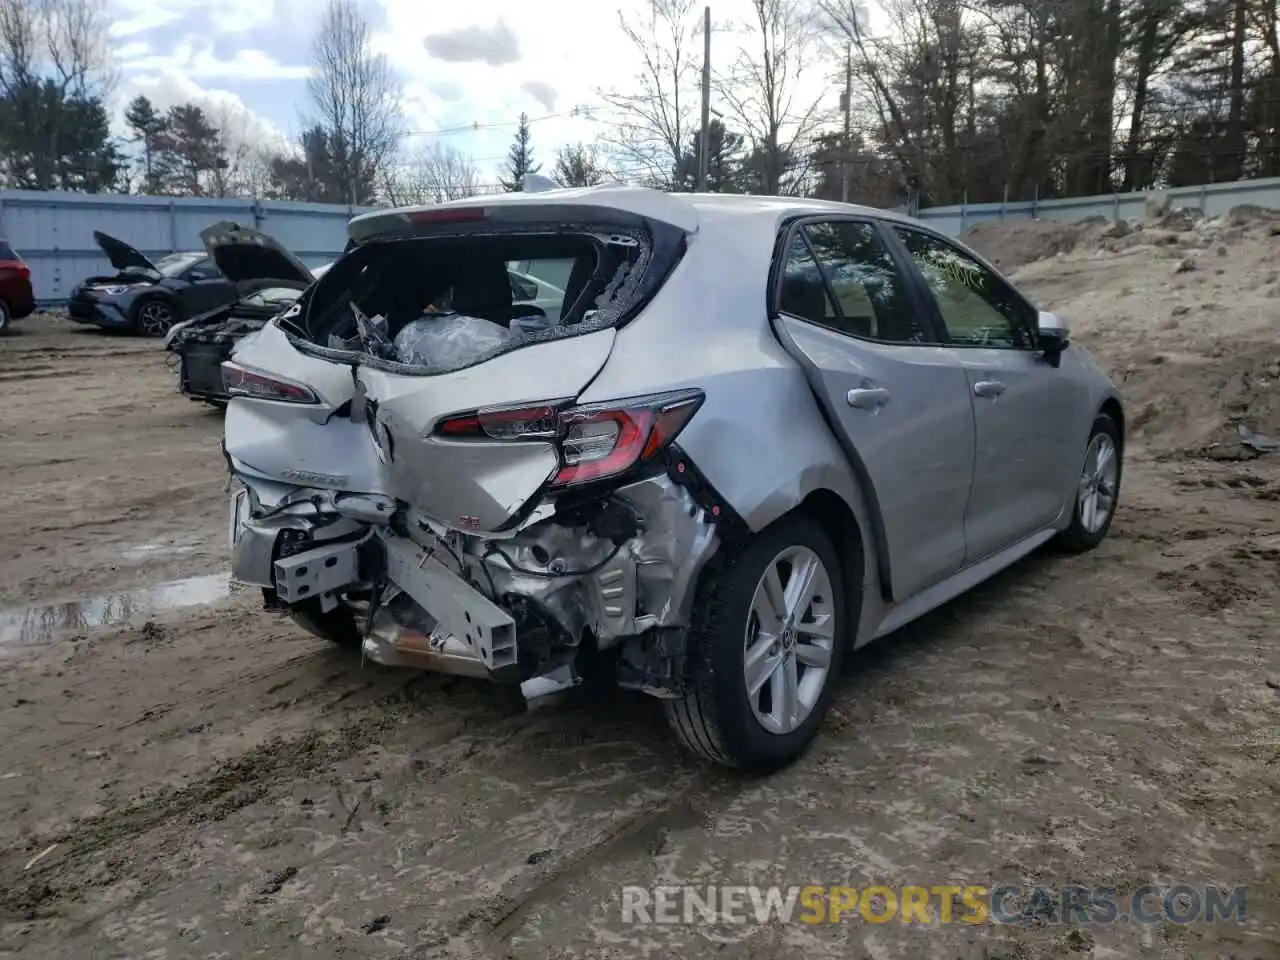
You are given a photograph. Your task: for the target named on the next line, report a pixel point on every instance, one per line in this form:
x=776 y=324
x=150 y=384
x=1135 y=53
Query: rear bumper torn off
x=643 y=584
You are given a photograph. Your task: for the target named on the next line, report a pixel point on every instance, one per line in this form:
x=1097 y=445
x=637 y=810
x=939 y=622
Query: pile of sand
x=1182 y=311
x=1011 y=244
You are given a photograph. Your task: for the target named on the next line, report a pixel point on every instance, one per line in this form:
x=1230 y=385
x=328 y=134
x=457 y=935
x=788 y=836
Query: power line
x=578 y=112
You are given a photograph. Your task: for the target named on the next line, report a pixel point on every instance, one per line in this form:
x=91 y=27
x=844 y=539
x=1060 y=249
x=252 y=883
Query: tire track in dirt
x=86 y=854
x=226 y=788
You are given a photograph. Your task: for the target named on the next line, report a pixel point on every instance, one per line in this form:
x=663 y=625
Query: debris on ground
x=380 y=922
x=1256 y=441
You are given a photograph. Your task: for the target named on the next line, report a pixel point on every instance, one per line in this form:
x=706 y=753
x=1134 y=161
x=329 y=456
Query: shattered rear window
x=436 y=305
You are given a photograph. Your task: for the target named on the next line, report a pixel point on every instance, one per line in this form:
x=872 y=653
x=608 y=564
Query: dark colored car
x=268 y=280
x=145 y=296
x=17 y=300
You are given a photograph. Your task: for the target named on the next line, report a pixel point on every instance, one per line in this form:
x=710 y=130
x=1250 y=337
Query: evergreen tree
x=519 y=159
x=193 y=147
x=148 y=126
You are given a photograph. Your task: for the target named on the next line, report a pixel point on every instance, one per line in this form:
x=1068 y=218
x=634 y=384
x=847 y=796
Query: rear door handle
x=868 y=398
x=988 y=388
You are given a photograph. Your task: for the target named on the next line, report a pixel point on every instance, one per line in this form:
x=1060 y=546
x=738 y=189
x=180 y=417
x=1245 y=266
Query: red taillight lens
x=243 y=382
x=596 y=441
x=506 y=423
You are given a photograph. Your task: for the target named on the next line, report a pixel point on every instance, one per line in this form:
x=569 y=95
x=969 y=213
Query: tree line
x=932 y=100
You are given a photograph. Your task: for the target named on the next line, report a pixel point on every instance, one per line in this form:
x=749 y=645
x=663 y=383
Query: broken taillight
x=243 y=382
x=595 y=441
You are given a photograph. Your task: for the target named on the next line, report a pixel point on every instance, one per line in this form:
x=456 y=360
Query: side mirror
x=522 y=290
x=1054 y=338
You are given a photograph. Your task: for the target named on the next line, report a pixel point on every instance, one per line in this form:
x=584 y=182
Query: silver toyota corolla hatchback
x=757 y=433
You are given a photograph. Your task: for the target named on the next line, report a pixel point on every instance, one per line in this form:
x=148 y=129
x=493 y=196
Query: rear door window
x=841 y=275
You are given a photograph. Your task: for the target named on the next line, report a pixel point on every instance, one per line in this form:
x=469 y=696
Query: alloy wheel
x=789 y=638
x=1098 y=483
x=155 y=318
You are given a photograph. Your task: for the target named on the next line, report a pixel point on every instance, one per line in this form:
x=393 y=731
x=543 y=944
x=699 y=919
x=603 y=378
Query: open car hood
x=122 y=256
x=244 y=254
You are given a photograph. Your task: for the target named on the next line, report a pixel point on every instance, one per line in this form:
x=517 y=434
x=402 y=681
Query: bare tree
x=64 y=41
x=657 y=110
x=55 y=76
x=873 y=65
x=355 y=98
x=248 y=151
x=761 y=89
x=433 y=174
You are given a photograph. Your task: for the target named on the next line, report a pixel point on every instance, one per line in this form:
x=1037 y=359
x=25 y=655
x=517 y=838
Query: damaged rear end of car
x=418 y=477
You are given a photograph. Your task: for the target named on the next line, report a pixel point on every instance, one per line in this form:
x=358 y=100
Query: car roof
x=688 y=211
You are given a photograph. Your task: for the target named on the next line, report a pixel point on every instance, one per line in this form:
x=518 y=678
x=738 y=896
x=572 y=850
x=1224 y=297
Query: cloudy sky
x=461 y=64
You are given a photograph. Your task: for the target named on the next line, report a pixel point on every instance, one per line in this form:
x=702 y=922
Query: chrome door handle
x=988 y=388
x=868 y=398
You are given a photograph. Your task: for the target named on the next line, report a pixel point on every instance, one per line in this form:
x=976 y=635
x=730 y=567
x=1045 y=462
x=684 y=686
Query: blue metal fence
x=1212 y=199
x=53 y=232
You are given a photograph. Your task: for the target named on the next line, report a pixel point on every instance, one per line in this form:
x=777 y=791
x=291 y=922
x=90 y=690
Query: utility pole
x=848 y=124
x=704 y=136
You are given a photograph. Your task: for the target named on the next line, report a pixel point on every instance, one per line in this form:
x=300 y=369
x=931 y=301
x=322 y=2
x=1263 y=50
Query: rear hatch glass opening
x=427 y=305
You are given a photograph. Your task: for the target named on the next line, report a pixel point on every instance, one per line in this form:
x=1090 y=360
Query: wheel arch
x=837 y=519
x=1112 y=407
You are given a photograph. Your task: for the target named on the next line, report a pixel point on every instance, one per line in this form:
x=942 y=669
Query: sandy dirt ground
x=211 y=782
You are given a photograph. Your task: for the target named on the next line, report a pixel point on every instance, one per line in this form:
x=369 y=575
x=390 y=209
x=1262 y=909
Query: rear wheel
x=154 y=317
x=765 y=651
x=338 y=625
x=1097 y=489
x=5 y=317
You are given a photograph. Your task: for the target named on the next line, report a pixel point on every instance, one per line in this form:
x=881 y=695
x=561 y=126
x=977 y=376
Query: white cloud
x=241 y=126
x=132 y=17
x=200 y=63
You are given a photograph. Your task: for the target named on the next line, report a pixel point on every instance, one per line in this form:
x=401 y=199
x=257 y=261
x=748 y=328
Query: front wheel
x=154 y=317
x=1097 y=489
x=765 y=650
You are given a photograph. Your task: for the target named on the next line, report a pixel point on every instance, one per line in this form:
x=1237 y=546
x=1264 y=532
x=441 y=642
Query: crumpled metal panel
x=584 y=582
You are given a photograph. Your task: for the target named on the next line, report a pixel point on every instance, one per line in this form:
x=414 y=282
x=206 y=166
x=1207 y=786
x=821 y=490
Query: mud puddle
x=155 y=550
x=44 y=622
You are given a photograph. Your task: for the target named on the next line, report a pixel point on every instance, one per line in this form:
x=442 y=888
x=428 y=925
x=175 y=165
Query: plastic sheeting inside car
x=453 y=340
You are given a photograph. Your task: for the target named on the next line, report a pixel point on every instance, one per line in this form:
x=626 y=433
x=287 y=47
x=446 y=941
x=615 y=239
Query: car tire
x=718 y=718
x=5 y=318
x=338 y=625
x=1097 y=489
x=153 y=316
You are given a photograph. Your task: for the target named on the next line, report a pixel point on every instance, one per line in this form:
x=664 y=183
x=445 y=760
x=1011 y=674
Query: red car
x=16 y=297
